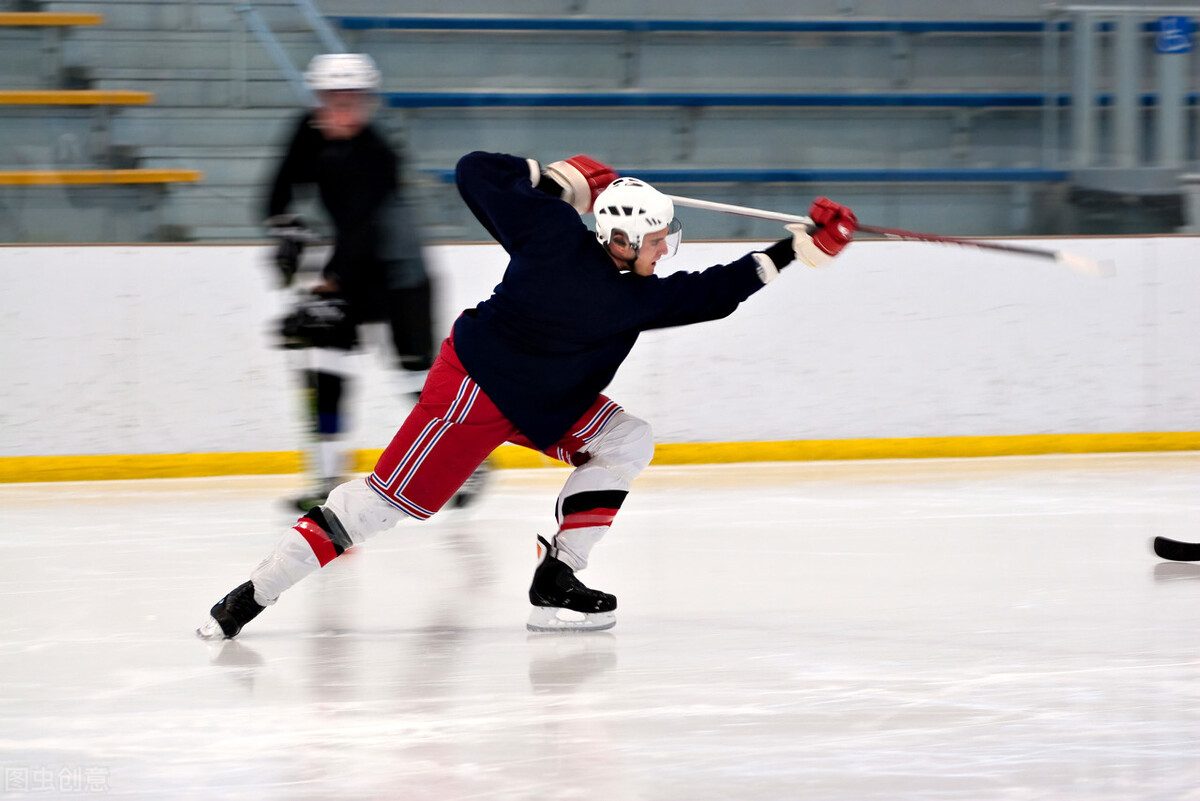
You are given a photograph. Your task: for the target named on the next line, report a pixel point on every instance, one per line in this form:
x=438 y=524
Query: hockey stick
x=1177 y=551
x=1073 y=261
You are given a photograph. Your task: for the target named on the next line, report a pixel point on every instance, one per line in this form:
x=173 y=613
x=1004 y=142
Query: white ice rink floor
x=933 y=629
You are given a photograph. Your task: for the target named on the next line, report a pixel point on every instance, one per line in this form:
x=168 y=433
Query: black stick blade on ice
x=1177 y=551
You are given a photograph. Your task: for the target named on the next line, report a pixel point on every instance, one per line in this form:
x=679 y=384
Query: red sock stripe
x=588 y=519
x=318 y=540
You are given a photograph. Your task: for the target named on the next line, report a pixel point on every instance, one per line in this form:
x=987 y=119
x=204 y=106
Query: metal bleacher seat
x=938 y=114
x=60 y=138
x=48 y=19
x=95 y=177
x=16 y=25
x=550 y=99
x=878 y=194
x=73 y=97
x=757 y=108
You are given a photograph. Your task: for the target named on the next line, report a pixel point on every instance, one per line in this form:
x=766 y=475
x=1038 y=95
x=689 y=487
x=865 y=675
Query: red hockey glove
x=582 y=179
x=833 y=225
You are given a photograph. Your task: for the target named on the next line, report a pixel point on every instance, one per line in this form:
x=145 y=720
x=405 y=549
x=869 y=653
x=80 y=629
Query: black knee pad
x=332 y=527
x=596 y=499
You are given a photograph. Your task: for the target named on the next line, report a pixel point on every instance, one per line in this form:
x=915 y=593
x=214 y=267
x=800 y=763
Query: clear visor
x=674 y=237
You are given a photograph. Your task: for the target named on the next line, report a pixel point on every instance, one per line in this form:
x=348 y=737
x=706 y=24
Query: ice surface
x=932 y=629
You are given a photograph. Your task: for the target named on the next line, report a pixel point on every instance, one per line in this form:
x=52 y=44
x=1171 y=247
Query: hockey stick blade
x=1176 y=550
x=1084 y=265
x=1072 y=261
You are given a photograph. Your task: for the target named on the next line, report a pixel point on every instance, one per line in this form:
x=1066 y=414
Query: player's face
x=654 y=247
x=342 y=115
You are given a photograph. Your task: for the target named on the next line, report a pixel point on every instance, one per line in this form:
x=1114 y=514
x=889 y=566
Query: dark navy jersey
x=358 y=182
x=564 y=317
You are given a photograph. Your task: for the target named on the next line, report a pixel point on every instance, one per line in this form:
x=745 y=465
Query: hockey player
x=529 y=366
x=375 y=273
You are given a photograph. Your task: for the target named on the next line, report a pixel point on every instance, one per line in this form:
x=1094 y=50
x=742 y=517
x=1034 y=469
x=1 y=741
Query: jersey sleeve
x=298 y=166
x=499 y=191
x=693 y=297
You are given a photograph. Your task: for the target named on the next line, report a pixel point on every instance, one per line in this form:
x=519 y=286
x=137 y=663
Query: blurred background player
x=375 y=274
x=529 y=366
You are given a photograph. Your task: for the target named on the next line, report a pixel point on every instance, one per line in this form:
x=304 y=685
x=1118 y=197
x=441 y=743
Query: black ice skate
x=561 y=602
x=229 y=614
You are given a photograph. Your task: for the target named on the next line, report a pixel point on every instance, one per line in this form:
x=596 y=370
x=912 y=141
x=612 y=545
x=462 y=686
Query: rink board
x=190 y=465
x=137 y=361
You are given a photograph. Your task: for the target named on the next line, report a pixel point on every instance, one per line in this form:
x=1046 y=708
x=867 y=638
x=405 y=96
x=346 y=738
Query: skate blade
x=549 y=618
x=211 y=630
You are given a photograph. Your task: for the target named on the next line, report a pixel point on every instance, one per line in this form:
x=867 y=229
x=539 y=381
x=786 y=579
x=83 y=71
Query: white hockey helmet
x=635 y=208
x=342 y=72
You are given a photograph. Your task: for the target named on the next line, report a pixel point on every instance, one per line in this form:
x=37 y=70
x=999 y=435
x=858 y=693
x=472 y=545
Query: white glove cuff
x=806 y=249
x=767 y=271
x=535 y=171
x=575 y=187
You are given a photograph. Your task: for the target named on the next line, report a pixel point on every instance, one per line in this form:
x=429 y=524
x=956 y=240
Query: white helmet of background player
x=342 y=72
x=635 y=208
x=346 y=87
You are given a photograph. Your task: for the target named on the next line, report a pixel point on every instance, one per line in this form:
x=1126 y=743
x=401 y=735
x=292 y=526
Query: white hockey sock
x=595 y=490
x=361 y=510
x=352 y=513
x=574 y=545
x=292 y=560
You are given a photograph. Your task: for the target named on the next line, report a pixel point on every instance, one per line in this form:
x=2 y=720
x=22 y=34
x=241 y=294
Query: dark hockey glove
x=319 y=321
x=291 y=235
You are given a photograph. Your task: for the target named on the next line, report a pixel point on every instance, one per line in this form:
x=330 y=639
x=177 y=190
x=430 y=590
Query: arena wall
x=159 y=360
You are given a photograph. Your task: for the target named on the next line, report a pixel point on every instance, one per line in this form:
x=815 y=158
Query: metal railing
x=253 y=23
x=1112 y=82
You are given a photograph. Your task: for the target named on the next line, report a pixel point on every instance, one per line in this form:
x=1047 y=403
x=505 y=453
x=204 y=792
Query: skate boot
x=229 y=614
x=561 y=602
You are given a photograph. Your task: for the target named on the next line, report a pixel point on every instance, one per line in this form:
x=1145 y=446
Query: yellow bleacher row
x=78 y=97
x=48 y=18
x=74 y=97
x=97 y=177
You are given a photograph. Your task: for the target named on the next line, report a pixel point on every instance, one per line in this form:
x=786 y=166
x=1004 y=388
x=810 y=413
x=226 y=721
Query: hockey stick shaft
x=895 y=233
x=1176 y=550
x=741 y=211
x=1077 y=263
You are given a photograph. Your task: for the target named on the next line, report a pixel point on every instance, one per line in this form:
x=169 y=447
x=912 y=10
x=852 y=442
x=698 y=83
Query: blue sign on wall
x=1173 y=35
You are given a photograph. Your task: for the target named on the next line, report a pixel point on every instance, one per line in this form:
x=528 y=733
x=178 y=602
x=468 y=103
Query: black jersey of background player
x=358 y=183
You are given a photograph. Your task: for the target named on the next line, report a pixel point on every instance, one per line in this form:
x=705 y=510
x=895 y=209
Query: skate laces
x=241 y=605
x=567 y=580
